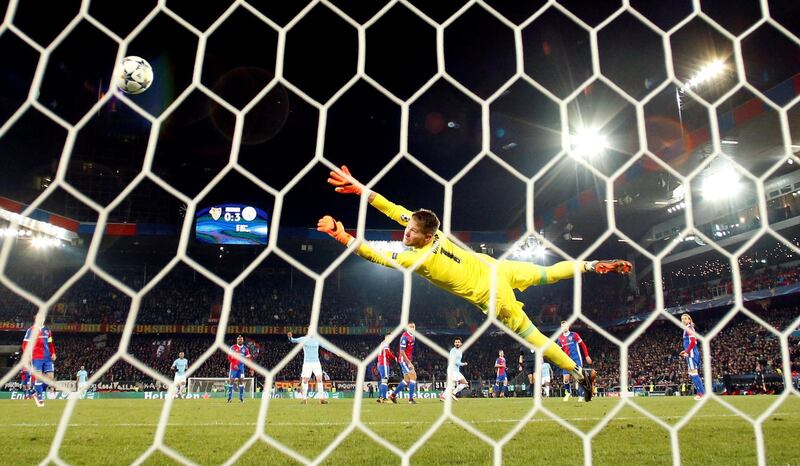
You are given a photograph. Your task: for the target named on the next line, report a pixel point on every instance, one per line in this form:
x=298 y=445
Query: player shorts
x=455 y=376
x=545 y=380
x=405 y=368
x=513 y=275
x=501 y=378
x=530 y=367
x=311 y=367
x=693 y=361
x=179 y=378
x=384 y=372
x=237 y=373
x=44 y=365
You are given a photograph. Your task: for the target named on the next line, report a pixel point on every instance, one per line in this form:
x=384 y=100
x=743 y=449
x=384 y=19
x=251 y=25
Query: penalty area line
x=368 y=423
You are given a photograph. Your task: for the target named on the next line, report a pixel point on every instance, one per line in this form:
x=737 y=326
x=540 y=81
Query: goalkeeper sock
x=399 y=388
x=552 y=352
x=412 y=387
x=698 y=385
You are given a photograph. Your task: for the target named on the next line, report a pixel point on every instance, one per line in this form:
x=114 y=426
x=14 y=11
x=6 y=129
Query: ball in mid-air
x=134 y=75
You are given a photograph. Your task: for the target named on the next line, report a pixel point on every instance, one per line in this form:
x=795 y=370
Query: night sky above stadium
x=281 y=136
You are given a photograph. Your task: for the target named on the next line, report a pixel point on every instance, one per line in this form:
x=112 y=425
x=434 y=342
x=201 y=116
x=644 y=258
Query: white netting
x=8 y=27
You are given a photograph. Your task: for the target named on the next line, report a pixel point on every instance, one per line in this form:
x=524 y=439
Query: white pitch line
x=324 y=424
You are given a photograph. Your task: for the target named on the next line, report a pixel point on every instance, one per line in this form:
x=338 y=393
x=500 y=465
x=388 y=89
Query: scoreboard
x=231 y=224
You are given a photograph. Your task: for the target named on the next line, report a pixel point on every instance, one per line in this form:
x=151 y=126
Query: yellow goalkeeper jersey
x=446 y=264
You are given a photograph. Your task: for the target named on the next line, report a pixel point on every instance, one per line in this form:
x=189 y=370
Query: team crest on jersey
x=215 y=212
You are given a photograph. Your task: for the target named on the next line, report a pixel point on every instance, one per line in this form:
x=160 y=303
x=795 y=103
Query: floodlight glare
x=588 y=142
x=706 y=73
x=722 y=184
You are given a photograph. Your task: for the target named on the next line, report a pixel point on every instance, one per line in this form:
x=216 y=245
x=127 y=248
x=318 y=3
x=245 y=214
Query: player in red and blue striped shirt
x=404 y=354
x=42 y=357
x=384 y=357
x=27 y=382
x=572 y=344
x=237 y=370
x=502 y=377
x=692 y=354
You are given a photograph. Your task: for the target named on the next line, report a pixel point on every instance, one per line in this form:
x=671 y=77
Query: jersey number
x=449 y=254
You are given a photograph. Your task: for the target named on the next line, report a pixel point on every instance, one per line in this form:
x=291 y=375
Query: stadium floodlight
x=708 y=72
x=588 y=142
x=721 y=184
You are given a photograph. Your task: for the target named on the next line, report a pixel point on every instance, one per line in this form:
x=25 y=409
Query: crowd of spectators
x=185 y=297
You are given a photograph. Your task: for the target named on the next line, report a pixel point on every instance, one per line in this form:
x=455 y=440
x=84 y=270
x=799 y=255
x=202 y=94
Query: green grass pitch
x=210 y=431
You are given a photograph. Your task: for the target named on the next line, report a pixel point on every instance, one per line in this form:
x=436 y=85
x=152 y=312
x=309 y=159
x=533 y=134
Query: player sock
x=241 y=392
x=399 y=388
x=496 y=390
x=504 y=390
x=460 y=387
x=320 y=389
x=698 y=384
x=305 y=390
x=567 y=388
x=39 y=389
x=412 y=387
x=547 y=391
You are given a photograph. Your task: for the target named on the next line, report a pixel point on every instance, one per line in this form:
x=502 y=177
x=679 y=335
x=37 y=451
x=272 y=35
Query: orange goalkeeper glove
x=343 y=184
x=606 y=266
x=330 y=226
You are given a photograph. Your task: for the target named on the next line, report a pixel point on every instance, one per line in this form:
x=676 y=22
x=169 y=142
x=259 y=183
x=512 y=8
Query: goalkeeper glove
x=344 y=182
x=330 y=226
x=606 y=266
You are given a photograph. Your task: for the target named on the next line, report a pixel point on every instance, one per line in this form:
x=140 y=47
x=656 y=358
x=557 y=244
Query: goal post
x=218 y=385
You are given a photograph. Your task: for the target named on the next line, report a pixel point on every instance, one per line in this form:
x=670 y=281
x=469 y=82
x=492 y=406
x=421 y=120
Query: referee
x=527 y=363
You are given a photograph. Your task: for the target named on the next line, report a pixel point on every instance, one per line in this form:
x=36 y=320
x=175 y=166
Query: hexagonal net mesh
x=569 y=149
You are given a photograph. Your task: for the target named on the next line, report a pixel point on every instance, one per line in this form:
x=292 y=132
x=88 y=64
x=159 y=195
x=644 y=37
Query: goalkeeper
x=466 y=273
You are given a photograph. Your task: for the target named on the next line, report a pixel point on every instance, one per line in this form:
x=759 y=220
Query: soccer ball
x=134 y=75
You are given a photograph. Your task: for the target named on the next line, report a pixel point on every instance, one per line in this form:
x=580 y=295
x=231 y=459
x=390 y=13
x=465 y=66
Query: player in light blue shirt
x=82 y=375
x=179 y=366
x=454 y=375
x=547 y=373
x=311 y=365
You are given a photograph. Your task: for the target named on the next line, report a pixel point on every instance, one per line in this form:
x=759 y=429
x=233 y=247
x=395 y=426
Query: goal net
x=218 y=385
x=586 y=111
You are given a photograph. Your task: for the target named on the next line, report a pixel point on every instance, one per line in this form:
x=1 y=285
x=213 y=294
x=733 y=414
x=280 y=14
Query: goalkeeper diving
x=468 y=274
